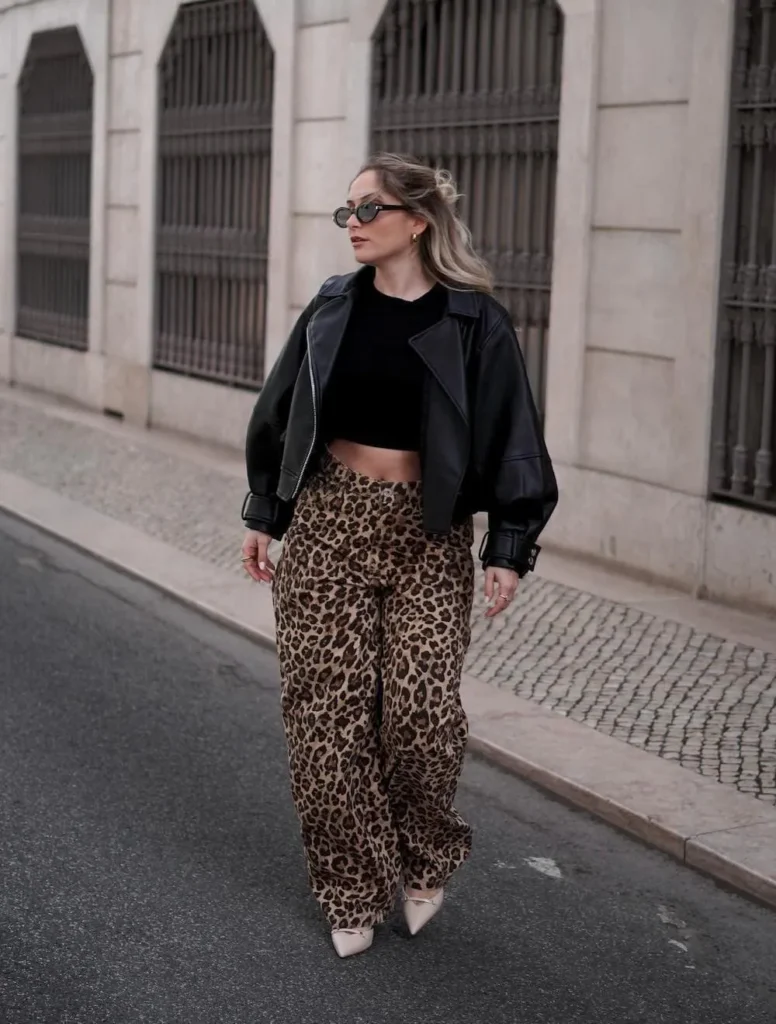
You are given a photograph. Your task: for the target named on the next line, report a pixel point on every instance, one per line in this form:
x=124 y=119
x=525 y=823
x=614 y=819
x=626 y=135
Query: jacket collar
x=459 y=303
x=441 y=347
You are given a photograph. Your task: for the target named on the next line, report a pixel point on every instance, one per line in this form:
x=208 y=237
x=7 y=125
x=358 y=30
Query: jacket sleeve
x=266 y=431
x=510 y=455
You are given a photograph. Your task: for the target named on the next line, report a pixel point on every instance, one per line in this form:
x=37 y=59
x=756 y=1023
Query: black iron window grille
x=474 y=86
x=744 y=434
x=215 y=137
x=55 y=96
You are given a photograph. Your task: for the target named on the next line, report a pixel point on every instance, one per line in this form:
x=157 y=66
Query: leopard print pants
x=373 y=623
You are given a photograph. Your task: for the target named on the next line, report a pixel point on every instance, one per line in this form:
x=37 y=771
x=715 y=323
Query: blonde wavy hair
x=445 y=247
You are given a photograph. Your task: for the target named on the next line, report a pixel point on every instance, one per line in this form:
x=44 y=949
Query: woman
x=398 y=407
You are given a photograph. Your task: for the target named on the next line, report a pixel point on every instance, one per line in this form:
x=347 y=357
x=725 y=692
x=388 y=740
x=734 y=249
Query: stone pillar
x=703 y=211
x=127 y=353
x=364 y=16
x=640 y=203
x=280 y=18
x=573 y=219
x=322 y=160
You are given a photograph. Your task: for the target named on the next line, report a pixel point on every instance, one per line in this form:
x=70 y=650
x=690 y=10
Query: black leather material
x=507 y=550
x=482 y=447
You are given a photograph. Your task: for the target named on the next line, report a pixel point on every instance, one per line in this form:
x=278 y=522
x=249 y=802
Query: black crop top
x=375 y=394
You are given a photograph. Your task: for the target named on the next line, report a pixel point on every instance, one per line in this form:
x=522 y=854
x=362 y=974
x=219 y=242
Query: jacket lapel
x=325 y=333
x=441 y=349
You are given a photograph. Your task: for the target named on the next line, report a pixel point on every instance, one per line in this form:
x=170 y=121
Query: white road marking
x=545 y=866
x=30 y=562
x=667 y=917
x=679 y=945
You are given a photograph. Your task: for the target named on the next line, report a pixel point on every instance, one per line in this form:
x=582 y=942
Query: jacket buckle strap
x=532 y=556
x=509 y=547
x=257 y=506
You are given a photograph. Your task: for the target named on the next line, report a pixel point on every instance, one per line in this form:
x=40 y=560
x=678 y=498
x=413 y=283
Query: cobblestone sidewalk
x=684 y=695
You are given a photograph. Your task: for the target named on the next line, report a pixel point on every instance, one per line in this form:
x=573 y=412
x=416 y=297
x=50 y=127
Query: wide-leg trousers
x=373 y=624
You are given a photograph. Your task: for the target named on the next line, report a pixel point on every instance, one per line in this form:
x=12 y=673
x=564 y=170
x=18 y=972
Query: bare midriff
x=379 y=463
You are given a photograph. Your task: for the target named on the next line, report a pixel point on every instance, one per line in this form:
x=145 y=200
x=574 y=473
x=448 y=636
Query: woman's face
x=387 y=236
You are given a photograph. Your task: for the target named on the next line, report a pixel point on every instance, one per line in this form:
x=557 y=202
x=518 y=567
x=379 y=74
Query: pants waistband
x=334 y=469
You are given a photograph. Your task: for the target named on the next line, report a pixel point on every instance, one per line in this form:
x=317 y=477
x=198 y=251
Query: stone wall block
x=641 y=159
x=646 y=51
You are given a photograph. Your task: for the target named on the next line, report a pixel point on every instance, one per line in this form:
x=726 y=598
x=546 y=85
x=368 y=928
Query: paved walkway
x=685 y=692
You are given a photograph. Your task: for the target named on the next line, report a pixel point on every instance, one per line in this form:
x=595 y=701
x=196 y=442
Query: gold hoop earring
x=414 y=238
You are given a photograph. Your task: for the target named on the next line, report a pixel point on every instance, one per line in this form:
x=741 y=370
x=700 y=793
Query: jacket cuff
x=260 y=513
x=509 y=549
x=266 y=514
x=258 y=508
x=261 y=525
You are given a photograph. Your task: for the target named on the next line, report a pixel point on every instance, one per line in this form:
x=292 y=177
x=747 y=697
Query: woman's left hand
x=500 y=589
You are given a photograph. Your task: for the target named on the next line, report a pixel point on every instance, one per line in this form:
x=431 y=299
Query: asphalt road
x=150 y=869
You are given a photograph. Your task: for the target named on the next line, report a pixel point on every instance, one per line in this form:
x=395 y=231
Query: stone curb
x=703 y=852
x=709 y=827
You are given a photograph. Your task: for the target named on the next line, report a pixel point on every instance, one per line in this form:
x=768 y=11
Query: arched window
x=54 y=191
x=745 y=399
x=215 y=139
x=474 y=86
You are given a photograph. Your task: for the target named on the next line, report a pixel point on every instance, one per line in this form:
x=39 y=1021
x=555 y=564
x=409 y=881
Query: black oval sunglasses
x=365 y=212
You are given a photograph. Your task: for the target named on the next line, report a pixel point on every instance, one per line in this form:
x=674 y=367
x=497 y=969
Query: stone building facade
x=637 y=367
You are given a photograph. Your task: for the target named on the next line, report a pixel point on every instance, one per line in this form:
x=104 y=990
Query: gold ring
x=250 y=558
x=503 y=597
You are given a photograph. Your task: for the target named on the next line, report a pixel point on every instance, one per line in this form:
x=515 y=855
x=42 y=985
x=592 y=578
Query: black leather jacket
x=482 y=448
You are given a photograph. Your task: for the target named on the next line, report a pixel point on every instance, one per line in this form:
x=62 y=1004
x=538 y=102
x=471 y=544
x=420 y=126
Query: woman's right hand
x=254 y=556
